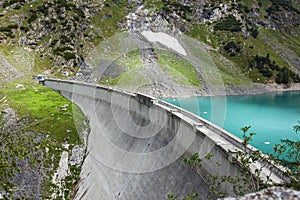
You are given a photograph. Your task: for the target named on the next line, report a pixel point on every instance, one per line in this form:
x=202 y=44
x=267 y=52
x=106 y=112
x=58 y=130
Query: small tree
x=288 y=154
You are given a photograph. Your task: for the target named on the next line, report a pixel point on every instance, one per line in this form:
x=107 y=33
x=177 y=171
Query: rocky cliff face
x=62 y=33
x=55 y=30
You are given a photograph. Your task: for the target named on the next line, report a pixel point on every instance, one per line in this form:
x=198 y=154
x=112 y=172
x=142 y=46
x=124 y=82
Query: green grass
x=230 y=74
x=179 y=69
x=130 y=79
x=19 y=57
x=202 y=33
x=45 y=110
x=109 y=17
x=251 y=47
x=48 y=114
x=287 y=41
x=262 y=48
x=249 y=3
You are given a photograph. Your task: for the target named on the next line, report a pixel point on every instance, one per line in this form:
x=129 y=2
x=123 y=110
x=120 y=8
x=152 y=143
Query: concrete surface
x=136 y=144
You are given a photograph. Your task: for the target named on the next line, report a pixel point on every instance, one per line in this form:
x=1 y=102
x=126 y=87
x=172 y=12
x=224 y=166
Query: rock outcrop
x=273 y=193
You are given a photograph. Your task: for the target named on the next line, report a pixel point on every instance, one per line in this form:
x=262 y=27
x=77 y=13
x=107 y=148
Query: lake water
x=271 y=116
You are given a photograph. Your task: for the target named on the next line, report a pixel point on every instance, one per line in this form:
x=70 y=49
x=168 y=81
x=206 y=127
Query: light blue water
x=271 y=116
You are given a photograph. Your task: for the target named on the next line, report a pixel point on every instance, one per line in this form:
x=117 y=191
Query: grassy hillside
x=241 y=41
x=43 y=124
x=62 y=32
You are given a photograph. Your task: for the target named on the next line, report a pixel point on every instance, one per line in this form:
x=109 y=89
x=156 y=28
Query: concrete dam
x=137 y=142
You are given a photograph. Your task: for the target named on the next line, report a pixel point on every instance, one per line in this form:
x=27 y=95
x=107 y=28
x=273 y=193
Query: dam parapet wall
x=137 y=142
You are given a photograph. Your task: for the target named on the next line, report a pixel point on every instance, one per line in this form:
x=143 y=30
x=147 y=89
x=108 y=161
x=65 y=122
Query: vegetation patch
x=19 y=57
x=11 y=2
x=169 y=7
x=285 y=154
x=231 y=75
x=254 y=32
x=232 y=48
x=46 y=122
x=180 y=70
x=230 y=23
x=129 y=79
x=271 y=71
x=111 y=17
x=280 y=5
x=202 y=33
x=61 y=49
x=8 y=28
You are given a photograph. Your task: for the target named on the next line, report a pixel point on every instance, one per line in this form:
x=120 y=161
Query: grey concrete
x=136 y=142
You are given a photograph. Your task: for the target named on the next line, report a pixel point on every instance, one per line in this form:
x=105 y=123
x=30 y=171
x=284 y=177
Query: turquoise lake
x=271 y=116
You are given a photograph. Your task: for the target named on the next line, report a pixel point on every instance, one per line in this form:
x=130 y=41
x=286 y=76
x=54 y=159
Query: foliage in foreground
x=286 y=154
x=291 y=160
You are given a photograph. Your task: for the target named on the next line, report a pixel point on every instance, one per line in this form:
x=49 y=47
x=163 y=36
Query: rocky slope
x=234 y=47
x=252 y=45
x=63 y=33
x=230 y=30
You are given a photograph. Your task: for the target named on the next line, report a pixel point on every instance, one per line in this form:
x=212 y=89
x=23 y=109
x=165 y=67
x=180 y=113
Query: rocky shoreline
x=253 y=89
x=261 y=88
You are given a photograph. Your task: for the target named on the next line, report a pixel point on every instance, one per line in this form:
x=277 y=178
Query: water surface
x=271 y=116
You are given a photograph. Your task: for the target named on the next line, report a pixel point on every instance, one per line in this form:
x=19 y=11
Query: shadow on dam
x=136 y=143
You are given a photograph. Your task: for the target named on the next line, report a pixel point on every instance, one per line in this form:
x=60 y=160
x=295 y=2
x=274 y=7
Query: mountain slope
x=63 y=33
x=233 y=47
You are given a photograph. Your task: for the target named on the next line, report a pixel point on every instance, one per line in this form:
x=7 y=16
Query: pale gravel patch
x=63 y=168
x=62 y=172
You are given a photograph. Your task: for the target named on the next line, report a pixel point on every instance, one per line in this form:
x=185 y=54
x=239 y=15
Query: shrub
x=18 y=7
x=246 y=9
x=268 y=68
x=69 y=55
x=61 y=49
x=283 y=76
x=287 y=154
x=260 y=4
x=8 y=28
x=53 y=21
x=254 y=31
x=52 y=44
x=65 y=39
x=5 y=4
x=230 y=23
x=42 y=9
x=79 y=12
x=13 y=26
x=232 y=48
x=5 y=29
x=32 y=17
x=11 y=2
x=24 y=28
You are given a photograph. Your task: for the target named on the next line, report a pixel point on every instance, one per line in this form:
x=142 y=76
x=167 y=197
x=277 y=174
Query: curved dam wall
x=136 y=143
